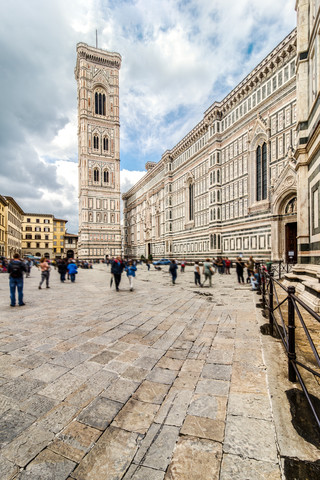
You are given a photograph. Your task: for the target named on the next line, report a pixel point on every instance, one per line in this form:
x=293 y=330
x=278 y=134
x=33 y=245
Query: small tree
x=150 y=257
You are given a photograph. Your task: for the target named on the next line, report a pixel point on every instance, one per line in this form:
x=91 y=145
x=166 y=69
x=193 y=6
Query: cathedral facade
x=97 y=75
x=229 y=187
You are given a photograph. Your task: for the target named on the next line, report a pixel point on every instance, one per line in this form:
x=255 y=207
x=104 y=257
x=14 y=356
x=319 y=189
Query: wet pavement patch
x=298 y=470
x=303 y=419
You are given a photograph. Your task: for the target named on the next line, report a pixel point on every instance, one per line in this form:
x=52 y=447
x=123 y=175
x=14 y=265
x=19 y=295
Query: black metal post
x=271 y=303
x=280 y=269
x=263 y=284
x=291 y=336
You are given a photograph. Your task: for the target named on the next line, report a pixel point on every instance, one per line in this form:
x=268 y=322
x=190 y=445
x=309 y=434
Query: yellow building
x=14 y=219
x=37 y=234
x=3 y=225
x=59 y=231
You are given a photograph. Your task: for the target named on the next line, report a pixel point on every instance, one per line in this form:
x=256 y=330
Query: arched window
x=215 y=241
x=96 y=175
x=100 y=103
x=105 y=144
x=214 y=214
x=261 y=175
x=96 y=142
x=106 y=176
x=191 y=201
x=218 y=213
x=211 y=241
x=218 y=195
x=218 y=176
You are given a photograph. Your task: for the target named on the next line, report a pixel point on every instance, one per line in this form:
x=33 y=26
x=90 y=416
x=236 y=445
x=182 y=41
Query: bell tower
x=97 y=75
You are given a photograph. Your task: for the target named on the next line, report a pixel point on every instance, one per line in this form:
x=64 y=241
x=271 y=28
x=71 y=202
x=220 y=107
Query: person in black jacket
x=239 y=269
x=62 y=269
x=15 y=269
x=117 y=267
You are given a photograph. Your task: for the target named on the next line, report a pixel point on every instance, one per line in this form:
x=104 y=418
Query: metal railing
x=272 y=305
x=279 y=268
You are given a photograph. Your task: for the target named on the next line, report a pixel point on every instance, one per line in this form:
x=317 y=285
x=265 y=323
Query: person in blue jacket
x=173 y=271
x=131 y=272
x=72 y=270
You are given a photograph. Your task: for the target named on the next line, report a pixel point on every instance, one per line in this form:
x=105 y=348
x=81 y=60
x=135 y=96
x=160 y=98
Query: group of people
x=253 y=275
x=17 y=267
x=117 y=267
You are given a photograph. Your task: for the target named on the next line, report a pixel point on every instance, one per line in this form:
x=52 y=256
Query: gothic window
x=191 y=201
x=96 y=175
x=106 y=176
x=105 y=144
x=100 y=103
x=96 y=142
x=261 y=175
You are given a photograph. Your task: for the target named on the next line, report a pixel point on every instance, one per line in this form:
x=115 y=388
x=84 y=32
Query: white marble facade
x=97 y=75
x=308 y=130
x=229 y=186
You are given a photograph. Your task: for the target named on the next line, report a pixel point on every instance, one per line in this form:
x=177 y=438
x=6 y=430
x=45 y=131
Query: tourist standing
x=15 y=269
x=239 y=269
x=183 y=266
x=62 y=269
x=207 y=271
x=173 y=271
x=131 y=272
x=228 y=265
x=45 y=272
x=72 y=270
x=116 y=270
x=197 y=275
x=250 y=268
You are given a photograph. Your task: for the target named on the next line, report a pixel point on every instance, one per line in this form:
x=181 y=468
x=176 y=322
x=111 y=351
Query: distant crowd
x=68 y=269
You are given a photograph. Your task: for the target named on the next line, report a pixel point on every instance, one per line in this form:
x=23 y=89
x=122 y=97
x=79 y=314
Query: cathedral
x=244 y=181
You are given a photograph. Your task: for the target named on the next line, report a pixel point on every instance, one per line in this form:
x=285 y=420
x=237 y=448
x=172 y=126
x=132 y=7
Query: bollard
x=271 y=303
x=263 y=283
x=291 y=336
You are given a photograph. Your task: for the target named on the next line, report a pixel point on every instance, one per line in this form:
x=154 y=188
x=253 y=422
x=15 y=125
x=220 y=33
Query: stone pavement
x=165 y=382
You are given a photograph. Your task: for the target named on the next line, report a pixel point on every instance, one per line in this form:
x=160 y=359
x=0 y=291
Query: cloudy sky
x=178 y=57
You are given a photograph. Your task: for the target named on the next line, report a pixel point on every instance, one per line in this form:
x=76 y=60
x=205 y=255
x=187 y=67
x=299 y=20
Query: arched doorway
x=284 y=229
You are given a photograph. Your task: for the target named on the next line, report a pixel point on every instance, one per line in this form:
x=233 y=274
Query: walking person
x=173 y=271
x=72 y=270
x=116 y=270
x=208 y=272
x=183 y=266
x=62 y=269
x=15 y=269
x=239 y=269
x=197 y=275
x=45 y=272
x=131 y=272
x=148 y=265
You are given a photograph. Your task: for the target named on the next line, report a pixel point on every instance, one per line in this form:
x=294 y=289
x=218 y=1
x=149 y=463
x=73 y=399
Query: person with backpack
x=15 y=269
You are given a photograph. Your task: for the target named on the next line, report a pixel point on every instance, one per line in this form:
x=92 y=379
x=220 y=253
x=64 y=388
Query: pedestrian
x=45 y=272
x=148 y=265
x=15 y=269
x=197 y=275
x=208 y=272
x=116 y=270
x=28 y=267
x=63 y=269
x=183 y=266
x=131 y=272
x=227 y=265
x=250 y=268
x=173 y=271
x=239 y=269
x=255 y=280
x=72 y=270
